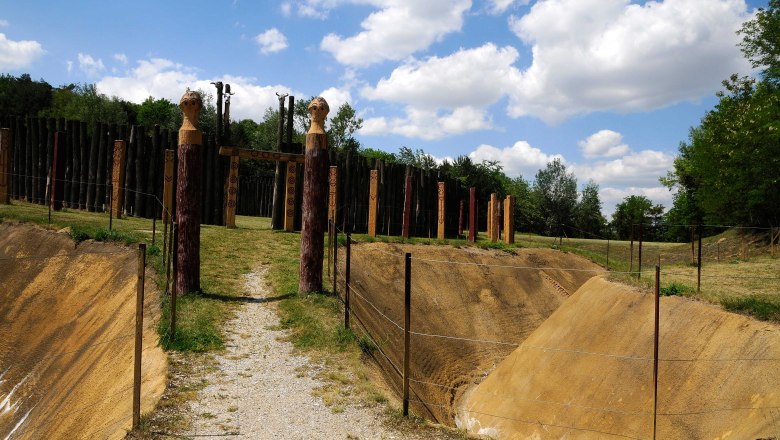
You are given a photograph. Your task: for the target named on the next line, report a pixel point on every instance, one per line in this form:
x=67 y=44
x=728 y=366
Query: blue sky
x=611 y=87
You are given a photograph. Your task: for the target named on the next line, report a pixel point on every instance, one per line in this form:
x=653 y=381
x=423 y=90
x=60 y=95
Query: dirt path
x=261 y=389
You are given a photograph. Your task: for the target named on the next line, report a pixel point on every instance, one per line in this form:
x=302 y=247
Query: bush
x=675 y=289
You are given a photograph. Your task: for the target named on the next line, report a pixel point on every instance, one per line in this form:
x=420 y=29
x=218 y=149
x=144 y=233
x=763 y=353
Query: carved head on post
x=190 y=104
x=319 y=111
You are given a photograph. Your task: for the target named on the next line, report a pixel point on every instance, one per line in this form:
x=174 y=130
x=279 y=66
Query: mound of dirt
x=470 y=308
x=587 y=372
x=67 y=320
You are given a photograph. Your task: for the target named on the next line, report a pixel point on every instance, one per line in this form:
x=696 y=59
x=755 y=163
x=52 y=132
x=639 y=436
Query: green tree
x=556 y=190
x=588 y=217
x=761 y=41
x=84 y=103
x=343 y=127
x=633 y=211
x=159 y=112
x=22 y=96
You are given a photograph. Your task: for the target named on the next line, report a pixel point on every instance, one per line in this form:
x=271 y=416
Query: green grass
x=763 y=307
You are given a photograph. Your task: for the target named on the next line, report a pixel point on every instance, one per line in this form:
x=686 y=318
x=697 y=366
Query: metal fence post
x=335 y=257
x=655 y=348
x=346 y=281
x=139 y=334
x=698 y=263
x=407 y=316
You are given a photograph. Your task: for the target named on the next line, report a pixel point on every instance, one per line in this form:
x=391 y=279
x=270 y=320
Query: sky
x=609 y=87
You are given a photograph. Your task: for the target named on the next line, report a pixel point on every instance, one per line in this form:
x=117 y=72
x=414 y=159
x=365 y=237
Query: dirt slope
x=67 y=326
x=716 y=369
x=461 y=300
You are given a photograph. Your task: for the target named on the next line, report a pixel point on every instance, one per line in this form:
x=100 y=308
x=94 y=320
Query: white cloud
x=90 y=66
x=286 y=9
x=641 y=169
x=271 y=41
x=611 y=196
x=16 y=55
x=429 y=124
x=4 y=23
x=335 y=98
x=164 y=78
x=468 y=77
x=591 y=55
x=122 y=58
x=604 y=143
x=519 y=159
x=497 y=7
x=398 y=29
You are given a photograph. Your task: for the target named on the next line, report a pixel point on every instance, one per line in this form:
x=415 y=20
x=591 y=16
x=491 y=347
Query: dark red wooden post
x=472 y=214
x=407 y=205
x=460 y=220
x=188 y=196
x=6 y=165
x=315 y=190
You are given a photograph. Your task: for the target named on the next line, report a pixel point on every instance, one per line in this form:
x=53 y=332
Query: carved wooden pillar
x=333 y=193
x=373 y=190
x=315 y=188
x=289 y=197
x=6 y=159
x=232 y=193
x=442 y=211
x=168 y=186
x=117 y=178
x=188 y=195
x=509 y=220
x=490 y=214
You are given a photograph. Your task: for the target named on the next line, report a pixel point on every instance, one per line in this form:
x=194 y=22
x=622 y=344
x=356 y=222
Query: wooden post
x=277 y=213
x=641 y=239
x=472 y=214
x=118 y=178
x=232 y=193
x=460 y=220
x=442 y=211
x=333 y=193
x=373 y=190
x=608 y=254
x=490 y=216
x=188 y=200
x=315 y=191
x=139 y=334
x=698 y=265
x=57 y=191
x=407 y=205
x=693 y=240
x=289 y=197
x=509 y=220
x=6 y=168
x=174 y=277
x=407 y=327
x=168 y=186
x=347 y=287
x=631 y=251
x=655 y=346
x=335 y=258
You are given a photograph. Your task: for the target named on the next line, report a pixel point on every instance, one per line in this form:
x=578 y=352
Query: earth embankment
x=67 y=320
x=470 y=308
x=587 y=372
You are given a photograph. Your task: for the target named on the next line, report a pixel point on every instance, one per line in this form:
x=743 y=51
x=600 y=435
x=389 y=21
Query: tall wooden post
x=641 y=240
x=232 y=193
x=277 y=211
x=373 y=190
x=57 y=191
x=496 y=220
x=657 y=299
x=698 y=265
x=333 y=193
x=407 y=328
x=472 y=214
x=6 y=161
x=490 y=216
x=188 y=184
x=407 y=206
x=315 y=178
x=289 y=196
x=442 y=211
x=460 y=220
x=509 y=220
x=493 y=218
x=139 y=334
x=117 y=178
x=168 y=186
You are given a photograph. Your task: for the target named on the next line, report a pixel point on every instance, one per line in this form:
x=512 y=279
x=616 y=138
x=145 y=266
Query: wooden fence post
x=442 y=214
x=698 y=268
x=373 y=190
x=347 y=287
x=657 y=300
x=232 y=193
x=289 y=197
x=641 y=239
x=57 y=191
x=407 y=206
x=407 y=327
x=139 y=334
x=167 y=196
x=460 y=220
x=117 y=178
x=472 y=214
x=333 y=193
x=6 y=161
x=509 y=219
x=315 y=177
x=188 y=198
x=490 y=216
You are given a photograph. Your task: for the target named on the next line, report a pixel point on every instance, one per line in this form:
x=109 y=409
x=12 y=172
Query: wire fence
x=61 y=371
x=446 y=364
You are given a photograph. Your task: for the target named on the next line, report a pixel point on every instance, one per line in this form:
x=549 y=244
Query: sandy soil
x=67 y=322
x=261 y=389
x=484 y=302
x=587 y=373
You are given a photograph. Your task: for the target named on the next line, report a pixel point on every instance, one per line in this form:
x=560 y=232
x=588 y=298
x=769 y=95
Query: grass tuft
x=763 y=307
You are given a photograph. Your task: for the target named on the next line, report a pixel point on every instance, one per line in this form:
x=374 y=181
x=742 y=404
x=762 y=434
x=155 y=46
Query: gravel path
x=262 y=390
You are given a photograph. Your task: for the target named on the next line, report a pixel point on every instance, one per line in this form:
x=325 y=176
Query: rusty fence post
x=335 y=257
x=641 y=240
x=460 y=220
x=347 y=287
x=698 y=263
x=407 y=326
x=472 y=214
x=657 y=301
x=139 y=334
